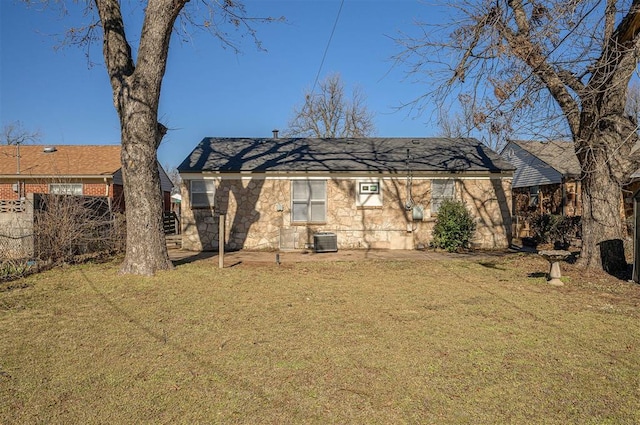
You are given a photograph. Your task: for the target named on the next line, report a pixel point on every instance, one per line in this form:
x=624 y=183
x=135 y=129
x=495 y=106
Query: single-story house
x=547 y=177
x=90 y=170
x=279 y=193
x=547 y=181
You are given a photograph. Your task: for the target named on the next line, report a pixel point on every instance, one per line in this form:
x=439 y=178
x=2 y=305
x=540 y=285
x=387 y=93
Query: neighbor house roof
x=383 y=155
x=560 y=155
x=67 y=160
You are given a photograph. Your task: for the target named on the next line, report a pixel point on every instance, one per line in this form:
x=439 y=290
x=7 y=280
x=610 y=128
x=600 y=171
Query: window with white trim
x=441 y=189
x=308 y=201
x=369 y=193
x=202 y=193
x=65 y=189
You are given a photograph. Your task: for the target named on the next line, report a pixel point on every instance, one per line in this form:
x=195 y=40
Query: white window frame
x=75 y=189
x=369 y=193
x=207 y=188
x=446 y=190
x=310 y=199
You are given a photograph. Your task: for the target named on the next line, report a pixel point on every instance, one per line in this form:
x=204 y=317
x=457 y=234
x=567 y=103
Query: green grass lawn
x=371 y=342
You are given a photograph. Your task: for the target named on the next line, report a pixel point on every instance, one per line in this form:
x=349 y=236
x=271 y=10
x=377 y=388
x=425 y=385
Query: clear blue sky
x=207 y=90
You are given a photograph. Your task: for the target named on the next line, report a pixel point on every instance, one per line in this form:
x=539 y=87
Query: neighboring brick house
x=90 y=170
x=547 y=181
x=547 y=177
x=369 y=192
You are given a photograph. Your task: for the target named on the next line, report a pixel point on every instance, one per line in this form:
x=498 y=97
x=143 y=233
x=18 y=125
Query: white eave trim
x=344 y=174
x=56 y=176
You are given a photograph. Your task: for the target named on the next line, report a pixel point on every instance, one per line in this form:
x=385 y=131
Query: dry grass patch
x=342 y=342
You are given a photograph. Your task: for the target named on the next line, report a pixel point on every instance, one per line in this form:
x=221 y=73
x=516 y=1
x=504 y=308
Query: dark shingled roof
x=392 y=155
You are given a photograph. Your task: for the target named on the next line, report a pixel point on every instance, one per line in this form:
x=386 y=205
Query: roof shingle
x=561 y=155
x=67 y=160
x=392 y=155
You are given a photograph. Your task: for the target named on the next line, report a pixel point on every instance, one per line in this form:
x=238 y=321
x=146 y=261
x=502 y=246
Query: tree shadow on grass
x=203 y=255
x=490 y=265
x=195 y=256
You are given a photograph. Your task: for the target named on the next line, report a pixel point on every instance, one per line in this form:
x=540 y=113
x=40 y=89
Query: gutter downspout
x=106 y=193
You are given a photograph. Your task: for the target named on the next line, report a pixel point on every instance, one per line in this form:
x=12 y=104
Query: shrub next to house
x=556 y=229
x=454 y=226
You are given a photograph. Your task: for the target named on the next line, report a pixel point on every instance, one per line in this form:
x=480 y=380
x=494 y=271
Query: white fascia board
x=55 y=177
x=343 y=175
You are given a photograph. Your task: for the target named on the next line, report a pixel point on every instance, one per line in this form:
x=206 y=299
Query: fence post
x=221 y=241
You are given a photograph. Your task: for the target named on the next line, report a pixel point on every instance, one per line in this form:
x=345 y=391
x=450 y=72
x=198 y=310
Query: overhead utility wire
x=333 y=30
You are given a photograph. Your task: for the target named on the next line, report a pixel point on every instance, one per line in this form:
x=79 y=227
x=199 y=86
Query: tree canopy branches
x=549 y=70
x=329 y=114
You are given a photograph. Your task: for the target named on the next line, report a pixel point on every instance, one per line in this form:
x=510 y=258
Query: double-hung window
x=65 y=189
x=202 y=193
x=308 y=201
x=441 y=189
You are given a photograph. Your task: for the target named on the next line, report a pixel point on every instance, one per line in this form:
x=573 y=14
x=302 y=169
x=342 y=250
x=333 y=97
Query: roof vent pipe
x=275 y=133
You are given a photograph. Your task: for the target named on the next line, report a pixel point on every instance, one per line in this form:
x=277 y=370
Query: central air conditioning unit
x=325 y=242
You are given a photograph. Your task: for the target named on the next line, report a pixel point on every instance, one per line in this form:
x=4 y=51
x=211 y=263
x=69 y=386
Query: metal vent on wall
x=325 y=242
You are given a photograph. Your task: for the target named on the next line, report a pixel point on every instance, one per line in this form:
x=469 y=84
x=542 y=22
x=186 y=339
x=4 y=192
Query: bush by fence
x=58 y=228
x=67 y=226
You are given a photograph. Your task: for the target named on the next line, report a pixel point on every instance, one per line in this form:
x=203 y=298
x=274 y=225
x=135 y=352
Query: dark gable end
x=381 y=155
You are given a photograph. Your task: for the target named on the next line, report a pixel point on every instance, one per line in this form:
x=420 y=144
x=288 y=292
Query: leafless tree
x=136 y=78
x=632 y=107
x=471 y=121
x=174 y=176
x=15 y=134
x=556 y=65
x=329 y=113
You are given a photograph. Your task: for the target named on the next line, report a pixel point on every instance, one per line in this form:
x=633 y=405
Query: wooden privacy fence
x=171 y=223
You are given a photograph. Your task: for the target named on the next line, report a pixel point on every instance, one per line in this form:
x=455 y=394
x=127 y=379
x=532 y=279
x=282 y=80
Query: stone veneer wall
x=257 y=215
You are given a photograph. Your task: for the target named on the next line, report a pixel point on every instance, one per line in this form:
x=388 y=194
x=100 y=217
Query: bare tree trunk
x=601 y=218
x=580 y=55
x=604 y=149
x=146 y=249
x=136 y=95
x=604 y=145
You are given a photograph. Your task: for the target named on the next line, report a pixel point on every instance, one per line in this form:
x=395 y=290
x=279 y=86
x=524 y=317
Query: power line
x=333 y=30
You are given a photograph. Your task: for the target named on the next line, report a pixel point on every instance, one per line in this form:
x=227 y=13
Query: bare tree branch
x=539 y=63
x=136 y=74
x=15 y=134
x=328 y=114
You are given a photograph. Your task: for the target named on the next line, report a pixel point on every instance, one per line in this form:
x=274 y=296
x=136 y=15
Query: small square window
x=202 y=193
x=369 y=194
